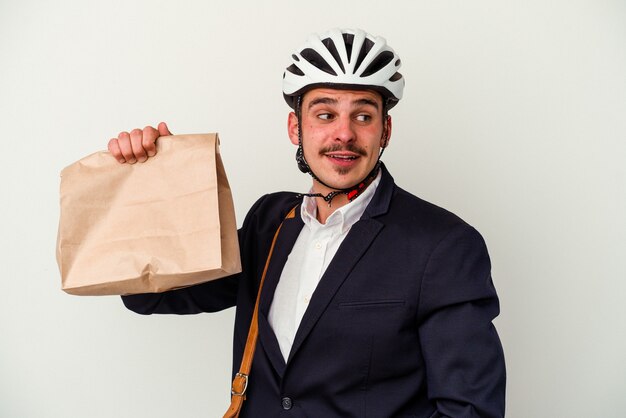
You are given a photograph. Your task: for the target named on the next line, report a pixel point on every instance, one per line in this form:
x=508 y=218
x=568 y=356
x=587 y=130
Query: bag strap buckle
x=238 y=378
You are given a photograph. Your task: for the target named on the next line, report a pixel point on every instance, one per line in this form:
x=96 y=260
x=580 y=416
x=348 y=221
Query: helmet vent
x=395 y=77
x=295 y=57
x=317 y=61
x=378 y=63
x=330 y=45
x=293 y=69
x=348 y=39
x=365 y=48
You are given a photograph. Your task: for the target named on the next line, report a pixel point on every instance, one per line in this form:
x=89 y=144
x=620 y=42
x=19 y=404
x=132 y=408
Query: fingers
x=123 y=140
x=148 y=142
x=114 y=149
x=138 y=145
x=163 y=129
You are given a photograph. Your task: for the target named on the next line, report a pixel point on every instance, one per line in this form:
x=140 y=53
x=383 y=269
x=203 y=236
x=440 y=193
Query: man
x=375 y=302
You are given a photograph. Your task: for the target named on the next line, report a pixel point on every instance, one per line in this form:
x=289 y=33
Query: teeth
x=343 y=157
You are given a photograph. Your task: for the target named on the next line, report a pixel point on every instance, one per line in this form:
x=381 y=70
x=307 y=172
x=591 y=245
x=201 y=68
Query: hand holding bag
x=147 y=227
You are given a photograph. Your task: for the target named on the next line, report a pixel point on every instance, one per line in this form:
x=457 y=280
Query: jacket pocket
x=373 y=304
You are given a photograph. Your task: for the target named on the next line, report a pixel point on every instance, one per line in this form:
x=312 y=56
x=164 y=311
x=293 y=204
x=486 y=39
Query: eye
x=325 y=116
x=363 y=118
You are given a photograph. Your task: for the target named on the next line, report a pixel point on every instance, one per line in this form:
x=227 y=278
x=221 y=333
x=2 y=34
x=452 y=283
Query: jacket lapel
x=349 y=253
x=284 y=243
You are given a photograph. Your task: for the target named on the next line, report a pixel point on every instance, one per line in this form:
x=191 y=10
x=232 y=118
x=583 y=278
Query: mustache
x=348 y=147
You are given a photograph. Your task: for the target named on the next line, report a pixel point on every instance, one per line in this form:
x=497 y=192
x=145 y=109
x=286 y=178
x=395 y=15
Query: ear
x=292 y=128
x=386 y=138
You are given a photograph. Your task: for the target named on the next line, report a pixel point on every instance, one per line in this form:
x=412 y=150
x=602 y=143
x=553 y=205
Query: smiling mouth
x=342 y=157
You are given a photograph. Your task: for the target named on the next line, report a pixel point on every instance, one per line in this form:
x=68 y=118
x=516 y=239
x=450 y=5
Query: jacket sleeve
x=210 y=296
x=462 y=352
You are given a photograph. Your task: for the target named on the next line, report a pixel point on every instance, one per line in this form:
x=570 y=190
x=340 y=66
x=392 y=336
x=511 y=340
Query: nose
x=344 y=131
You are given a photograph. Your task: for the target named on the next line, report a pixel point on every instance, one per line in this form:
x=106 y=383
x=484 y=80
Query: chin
x=343 y=182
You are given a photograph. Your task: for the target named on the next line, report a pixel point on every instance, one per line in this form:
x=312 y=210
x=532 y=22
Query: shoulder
x=408 y=215
x=410 y=208
x=415 y=217
x=270 y=209
x=275 y=204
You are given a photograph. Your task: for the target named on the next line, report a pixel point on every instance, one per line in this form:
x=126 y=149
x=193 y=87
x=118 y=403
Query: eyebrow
x=322 y=100
x=365 y=102
x=331 y=101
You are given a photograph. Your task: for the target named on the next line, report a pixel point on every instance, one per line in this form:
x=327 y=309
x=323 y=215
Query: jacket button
x=286 y=403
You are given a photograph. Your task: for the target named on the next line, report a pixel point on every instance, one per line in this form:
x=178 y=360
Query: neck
x=326 y=208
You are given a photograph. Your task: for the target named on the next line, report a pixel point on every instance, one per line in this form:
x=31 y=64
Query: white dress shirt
x=311 y=254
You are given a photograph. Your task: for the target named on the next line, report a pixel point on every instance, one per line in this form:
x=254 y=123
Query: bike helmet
x=344 y=58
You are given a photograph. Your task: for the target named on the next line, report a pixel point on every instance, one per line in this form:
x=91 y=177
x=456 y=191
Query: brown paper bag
x=147 y=227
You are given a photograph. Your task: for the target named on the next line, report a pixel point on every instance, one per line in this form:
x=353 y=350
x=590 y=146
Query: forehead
x=342 y=96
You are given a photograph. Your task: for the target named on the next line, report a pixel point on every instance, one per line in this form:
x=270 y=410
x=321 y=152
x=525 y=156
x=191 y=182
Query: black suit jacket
x=399 y=325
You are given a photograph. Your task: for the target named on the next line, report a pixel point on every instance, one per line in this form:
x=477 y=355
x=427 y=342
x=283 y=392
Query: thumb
x=163 y=129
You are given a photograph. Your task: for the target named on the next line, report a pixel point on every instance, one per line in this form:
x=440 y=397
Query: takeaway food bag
x=148 y=227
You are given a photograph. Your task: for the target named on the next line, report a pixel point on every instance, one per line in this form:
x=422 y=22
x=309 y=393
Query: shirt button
x=306 y=299
x=318 y=245
x=286 y=403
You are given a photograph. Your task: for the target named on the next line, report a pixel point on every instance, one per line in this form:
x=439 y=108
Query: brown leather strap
x=240 y=382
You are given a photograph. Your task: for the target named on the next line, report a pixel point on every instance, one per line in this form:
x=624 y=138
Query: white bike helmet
x=344 y=58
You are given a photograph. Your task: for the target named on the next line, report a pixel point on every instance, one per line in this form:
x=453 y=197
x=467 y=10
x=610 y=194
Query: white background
x=514 y=118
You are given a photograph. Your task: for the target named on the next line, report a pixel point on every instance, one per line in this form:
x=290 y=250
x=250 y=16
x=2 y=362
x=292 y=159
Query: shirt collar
x=345 y=216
